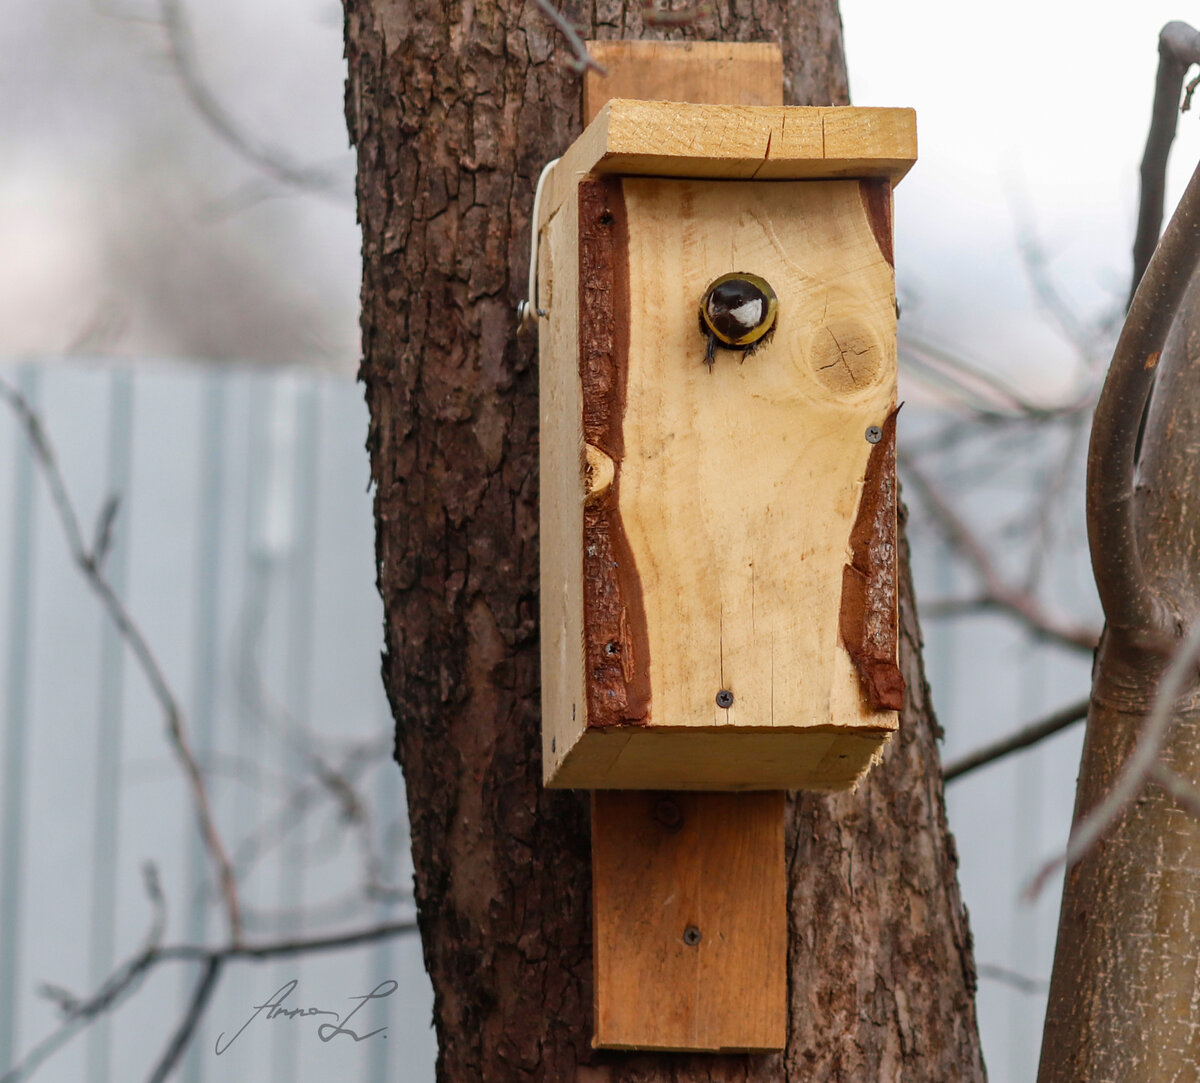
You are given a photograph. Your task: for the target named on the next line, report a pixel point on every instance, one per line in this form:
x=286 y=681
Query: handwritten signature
x=326 y=1031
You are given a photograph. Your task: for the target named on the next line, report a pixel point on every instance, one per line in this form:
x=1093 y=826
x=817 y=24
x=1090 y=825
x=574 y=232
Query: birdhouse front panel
x=718 y=481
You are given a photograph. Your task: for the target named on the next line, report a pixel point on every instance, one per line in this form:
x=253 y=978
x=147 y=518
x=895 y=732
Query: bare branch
x=997 y=593
x=128 y=977
x=271 y=161
x=583 y=58
x=1061 y=311
x=980 y=391
x=1120 y=578
x=1178 y=49
x=1021 y=982
x=117 y=987
x=1023 y=738
x=88 y=563
x=178 y=1044
x=1141 y=765
x=1178 y=787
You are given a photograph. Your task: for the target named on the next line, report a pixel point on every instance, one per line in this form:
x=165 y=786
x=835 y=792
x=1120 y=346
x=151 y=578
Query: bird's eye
x=739 y=309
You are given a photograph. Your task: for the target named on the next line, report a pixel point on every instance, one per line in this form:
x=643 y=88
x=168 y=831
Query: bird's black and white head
x=737 y=312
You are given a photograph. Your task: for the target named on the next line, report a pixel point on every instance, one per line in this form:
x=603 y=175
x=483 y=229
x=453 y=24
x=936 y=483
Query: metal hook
x=528 y=310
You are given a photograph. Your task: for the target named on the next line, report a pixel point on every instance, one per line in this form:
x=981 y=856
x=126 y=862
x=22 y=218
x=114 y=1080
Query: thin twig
x=980 y=391
x=88 y=563
x=1021 y=982
x=130 y=975
x=178 y=1044
x=996 y=591
x=1178 y=787
x=1138 y=768
x=583 y=58
x=1178 y=49
x=271 y=161
x=123 y=982
x=1023 y=738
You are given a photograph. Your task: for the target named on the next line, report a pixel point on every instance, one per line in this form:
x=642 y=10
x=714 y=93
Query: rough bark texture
x=454 y=108
x=1125 y=988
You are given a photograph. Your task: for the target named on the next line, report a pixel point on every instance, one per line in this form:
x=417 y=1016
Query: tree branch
x=1141 y=765
x=1120 y=578
x=126 y=978
x=583 y=59
x=269 y=160
x=1178 y=49
x=89 y=562
x=178 y=1044
x=997 y=593
x=1023 y=738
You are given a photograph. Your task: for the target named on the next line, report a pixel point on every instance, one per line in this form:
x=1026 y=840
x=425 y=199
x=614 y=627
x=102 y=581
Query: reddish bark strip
x=615 y=640
x=876 y=196
x=868 y=615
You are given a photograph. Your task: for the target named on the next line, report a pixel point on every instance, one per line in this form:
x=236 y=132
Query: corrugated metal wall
x=243 y=545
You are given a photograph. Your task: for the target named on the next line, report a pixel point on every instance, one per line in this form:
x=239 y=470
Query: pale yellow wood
x=562 y=489
x=675 y=139
x=737 y=492
x=687 y=758
x=714 y=72
x=739 y=487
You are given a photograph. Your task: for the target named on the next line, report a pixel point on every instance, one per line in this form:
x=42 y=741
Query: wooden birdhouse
x=718 y=497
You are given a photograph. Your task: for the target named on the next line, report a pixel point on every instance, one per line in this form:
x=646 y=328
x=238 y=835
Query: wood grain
x=714 y=556
x=714 y=72
x=737 y=142
x=667 y=863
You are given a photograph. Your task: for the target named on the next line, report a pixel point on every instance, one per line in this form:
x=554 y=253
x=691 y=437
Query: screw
x=874 y=434
x=612 y=648
x=691 y=936
x=669 y=814
x=724 y=698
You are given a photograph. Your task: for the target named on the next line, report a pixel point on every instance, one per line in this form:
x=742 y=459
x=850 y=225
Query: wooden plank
x=691 y=921
x=716 y=555
x=715 y=72
x=726 y=758
x=729 y=990
x=561 y=492
x=676 y=139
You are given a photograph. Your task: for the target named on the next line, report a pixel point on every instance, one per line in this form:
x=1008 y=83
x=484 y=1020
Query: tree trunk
x=1125 y=985
x=454 y=109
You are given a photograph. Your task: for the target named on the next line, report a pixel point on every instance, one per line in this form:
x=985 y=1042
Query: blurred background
x=178 y=300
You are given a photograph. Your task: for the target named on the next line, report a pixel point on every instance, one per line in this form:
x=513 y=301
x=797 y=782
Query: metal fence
x=243 y=545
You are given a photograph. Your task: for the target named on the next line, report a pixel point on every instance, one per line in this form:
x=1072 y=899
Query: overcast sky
x=1043 y=104
x=127 y=226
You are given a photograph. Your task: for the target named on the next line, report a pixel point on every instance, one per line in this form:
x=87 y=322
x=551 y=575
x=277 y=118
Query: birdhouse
x=717 y=336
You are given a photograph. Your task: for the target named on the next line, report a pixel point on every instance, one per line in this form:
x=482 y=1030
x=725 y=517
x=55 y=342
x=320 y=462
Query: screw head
x=691 y=936
x=874 y=434
x=668 y=813
x=724 y=698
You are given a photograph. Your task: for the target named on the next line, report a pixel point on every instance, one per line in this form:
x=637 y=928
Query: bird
x=737 y=312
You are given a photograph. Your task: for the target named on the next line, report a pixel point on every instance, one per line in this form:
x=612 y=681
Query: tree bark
x=454 y=108
x=1125 y=985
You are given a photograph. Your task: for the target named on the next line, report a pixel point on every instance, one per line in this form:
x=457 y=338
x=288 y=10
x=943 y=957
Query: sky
x=129 y=228
x=1031 y=120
